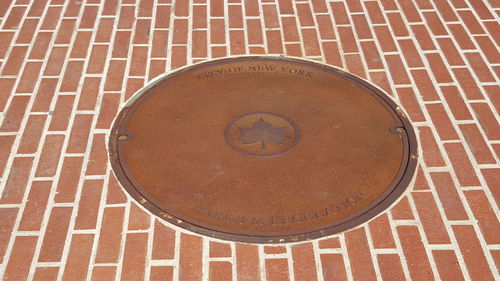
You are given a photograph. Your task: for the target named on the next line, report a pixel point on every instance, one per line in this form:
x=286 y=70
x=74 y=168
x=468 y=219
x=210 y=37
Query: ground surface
x=67 y=66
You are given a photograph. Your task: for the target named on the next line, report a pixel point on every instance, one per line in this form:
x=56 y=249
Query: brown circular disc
x=263 y=149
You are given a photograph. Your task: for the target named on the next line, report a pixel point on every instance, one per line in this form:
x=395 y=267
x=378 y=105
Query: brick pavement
x=66 y=67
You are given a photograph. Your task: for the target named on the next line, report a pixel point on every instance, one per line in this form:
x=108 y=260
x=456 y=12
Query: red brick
x=88 y=207
x=133 y=85
x=220 y=271
x=420 y=181
x=89 y=93
x=127 y=17
x=448 y=195
x=493 y=29
x=164 y=20
x=304 y=15
x=68 y=180
x=333 y=267
x=380 y=79
x=179 y=55
x=138 y=219
x=414 y=252
x=311 y=44
x=190 y=259
x=443 y=124
x=14 y=18
x=49 y=158
x=374 y=12
x=110 y=235
x=110 y=7
x=461 y=164
x=390 y=267
x=142 y=31
x=37 y=8
x=199 y=41
x=121 y=44
x=89 y=17
x=6 y=143
x=359 y=255
x=81 y=44
x=355 y=65
x=55 y=61
x=274 y=43
x=397 y=69
x=98 y=156
x=199 y=16
x=32 y=133
x=8 y=216
x=493 y=182
x=103 y=273
x=29 y=77
x=423 y=37
x=80 y=131
x=286 y=7
x=180 y=31
x=15 y=60
x=438 y=68
x=115 y=193
x=276 y=270
x=62 y=112
x=431 y=152
x=235 y=16
x=402 y=210
x=450 y=52
x=477 y=144
x=5 y=41
x=20 y=258
x=256 y=50
x=109 y=107
x=484 y=214
x=410 y=53
x=219 y=250
x=163 y=242
x=55 y=235
x=237 y=42
x=294 y=50
x=273 y=250
x=456 y=103
x=44 y=95
x=410 y=103
x=252 y=8
x=156 y=68
x=479 y=67
x=51 y=18
x=329 y=243
x=447 y=265
x=159 y=48
x=35 y=206
x=482 y=10
x=325 y=27
x=372 y=56
x=433 y=225
x=339 y=13
x=161 y=273
x=461 y=36
x=17 y=181
x=472 y=252
x=489 y=50
x=73 y=9
x=319 y=6
x=134 y=259
x=79 y=257
x=467 y=83
x=435 y=24
x=40 y=46
x=65 y=32
x=217 y=35
x=104 y=30
x=290 y=30
x=114 y=77
x=27 y=32
x=217 y=8
x=381 y=234
x=347 y=40
x=397 y=24
x=471 y=22
x=72 y=76
x=247 y=262
x=46 y=273
x=361 y=26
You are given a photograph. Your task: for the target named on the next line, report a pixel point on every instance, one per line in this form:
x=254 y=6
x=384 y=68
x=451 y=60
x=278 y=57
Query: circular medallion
x=262 y=134
x=263 y=149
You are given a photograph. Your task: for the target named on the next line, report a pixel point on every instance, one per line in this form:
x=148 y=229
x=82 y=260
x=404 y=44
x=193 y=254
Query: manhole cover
x=263 y=149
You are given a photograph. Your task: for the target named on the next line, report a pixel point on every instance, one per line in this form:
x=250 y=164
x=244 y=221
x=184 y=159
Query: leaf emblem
x=263 y=132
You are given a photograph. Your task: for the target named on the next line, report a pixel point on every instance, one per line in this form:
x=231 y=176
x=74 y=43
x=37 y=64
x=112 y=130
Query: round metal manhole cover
x=263 y=149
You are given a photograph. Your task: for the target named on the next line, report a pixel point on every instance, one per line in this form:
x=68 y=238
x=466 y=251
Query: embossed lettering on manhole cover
x=263 y=149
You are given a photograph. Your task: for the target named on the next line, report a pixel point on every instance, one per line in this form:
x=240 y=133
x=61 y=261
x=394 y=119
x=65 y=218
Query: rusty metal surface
x=263 y=149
